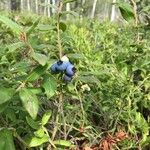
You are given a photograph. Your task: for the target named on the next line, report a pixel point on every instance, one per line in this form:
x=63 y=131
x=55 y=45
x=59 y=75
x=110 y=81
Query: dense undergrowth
x=109 y=93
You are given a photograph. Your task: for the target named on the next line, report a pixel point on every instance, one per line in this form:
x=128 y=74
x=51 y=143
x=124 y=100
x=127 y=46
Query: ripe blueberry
x=61 y=66
x=67 y=78
x=53 y=68
x=70 y=70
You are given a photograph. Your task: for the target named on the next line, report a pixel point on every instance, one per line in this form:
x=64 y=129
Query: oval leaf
x=39 y=133
x=36 y=73
x=40 y=58
x=35 y=141
x=126 y=11
x=46 y=117
x=5 y=94
x=11 y=24
x=50 y=85
x=62 y=26
x=30 y=102
x=63 y=143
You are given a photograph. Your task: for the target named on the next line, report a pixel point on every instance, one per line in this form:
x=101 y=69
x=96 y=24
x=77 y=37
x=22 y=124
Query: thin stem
x=60 y=5
x=55 y=126
x=60 y=103
x=135 y=12
x=57 y=117
x=63 y=116
x=21 y=140
x=50 y=141
x=81 y=105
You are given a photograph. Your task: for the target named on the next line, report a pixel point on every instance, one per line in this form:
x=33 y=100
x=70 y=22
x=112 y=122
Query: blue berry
x=61 y=66
x=70 y=70
x=53 y=68
x=67 y=78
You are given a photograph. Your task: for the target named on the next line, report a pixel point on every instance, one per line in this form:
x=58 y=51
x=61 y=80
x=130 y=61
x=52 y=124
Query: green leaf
x=70 y=13
x=142 y=125
x=126 y=11
x=43 y=27
x=89 y=79
x=50 y=85
x=76 y=56
x=39 y=133
x=30 y=102
x=35 y=90
x=31 y=29
x=5 y=94
x=36 y=73
x=3 y=106
x=6 y=140
x=62 y=26
x=13 y=47
x=11 y=24
x=33 y=124
x=35 y=141
x=40 y=58
x=63 y=143
x=46 y=117
x=68 y=1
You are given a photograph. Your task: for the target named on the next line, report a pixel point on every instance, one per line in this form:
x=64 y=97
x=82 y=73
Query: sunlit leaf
x=40 y=58
x=39 y=133
x=11 y=24
x=63 y=143
x=46 y=117
x=36 y=141
x=30 y=102
x=35 y=90
x=50 y=85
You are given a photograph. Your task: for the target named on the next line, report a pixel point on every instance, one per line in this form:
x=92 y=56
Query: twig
x=20 y=86
x=21 y=140
x=135 y=12
x=81 y=105
x=55 y=126
x=60 y=5
x=60 y=103
x=50 y=141
x=62 y=113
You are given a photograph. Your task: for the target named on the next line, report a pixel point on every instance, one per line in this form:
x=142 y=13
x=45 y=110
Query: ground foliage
x=105 y=106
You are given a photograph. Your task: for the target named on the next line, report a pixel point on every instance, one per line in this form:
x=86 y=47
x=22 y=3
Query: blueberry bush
x=98 y=99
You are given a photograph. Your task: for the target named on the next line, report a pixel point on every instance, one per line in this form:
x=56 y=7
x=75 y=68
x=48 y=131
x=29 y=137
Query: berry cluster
x=65 y=67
